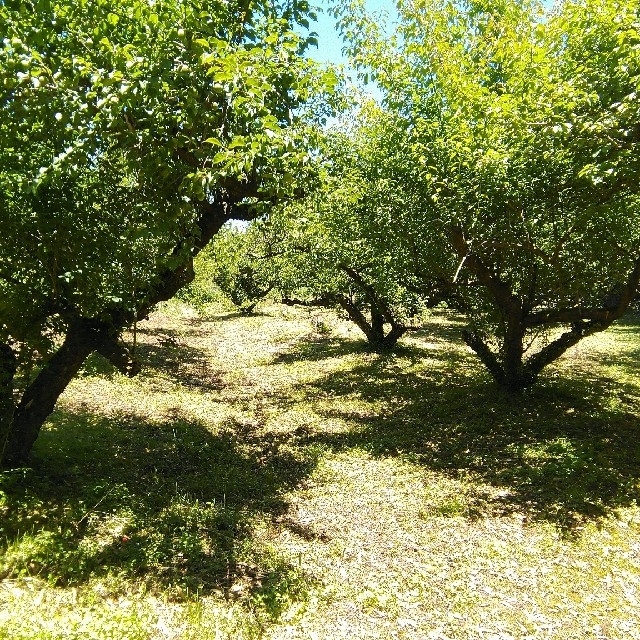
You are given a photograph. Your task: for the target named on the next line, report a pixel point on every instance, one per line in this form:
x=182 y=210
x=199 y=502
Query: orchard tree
x=131 y=132
x=241 y=264
x=523 y=132
x=346 y=245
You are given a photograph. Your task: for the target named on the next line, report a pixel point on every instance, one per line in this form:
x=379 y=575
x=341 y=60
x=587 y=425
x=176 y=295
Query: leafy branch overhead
x=497 y=174
x=132 y=131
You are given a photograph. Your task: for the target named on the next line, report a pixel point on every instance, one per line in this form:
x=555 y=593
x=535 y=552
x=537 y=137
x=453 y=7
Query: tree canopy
x=131 y=132
x=522 y=134
x=347 y=240
x=498 y=173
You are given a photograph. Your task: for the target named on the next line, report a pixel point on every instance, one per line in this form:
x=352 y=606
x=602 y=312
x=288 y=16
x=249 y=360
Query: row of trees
x=498 y=174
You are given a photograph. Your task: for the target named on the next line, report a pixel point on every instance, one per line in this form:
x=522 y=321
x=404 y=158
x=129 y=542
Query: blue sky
x=329 y=42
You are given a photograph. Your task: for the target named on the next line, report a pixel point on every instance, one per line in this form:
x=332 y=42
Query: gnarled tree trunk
x=41 y=395
x=373 y=329
x=509 y=368
x=20 y=424
x=381 y=314
x=8 y=367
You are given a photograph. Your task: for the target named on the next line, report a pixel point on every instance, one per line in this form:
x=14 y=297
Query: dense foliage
x=523 y=135
x=242 y=265
x=498 y=173
x=131 y=132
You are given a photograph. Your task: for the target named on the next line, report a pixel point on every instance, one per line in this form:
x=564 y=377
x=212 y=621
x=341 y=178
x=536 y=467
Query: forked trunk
x=379 y=341
x=513 y=372
x=515 y=377
x=508 y=368
x=374 y=329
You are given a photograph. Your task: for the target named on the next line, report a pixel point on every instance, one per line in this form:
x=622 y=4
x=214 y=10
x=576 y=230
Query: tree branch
x=375 y=300
x=487 y=357
x=604 y=315
x=119 y=355
x=500 y=290
x=555 y=349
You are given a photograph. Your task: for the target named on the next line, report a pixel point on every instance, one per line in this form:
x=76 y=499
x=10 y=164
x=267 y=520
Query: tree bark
x=487 y=357
x=356 y=316
x=20 y=426
x=555 y=349
x=40 y=398
x=374 y=329
x=514 y=378
x=381 y=313
x=377 y=327
x=391 y=339
x=8 y=368
x=509 y=369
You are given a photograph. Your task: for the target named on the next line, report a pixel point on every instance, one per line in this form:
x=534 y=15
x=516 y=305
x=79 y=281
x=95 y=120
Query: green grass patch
x=262 y=478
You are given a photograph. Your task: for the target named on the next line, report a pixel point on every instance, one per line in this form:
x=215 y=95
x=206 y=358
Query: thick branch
x=501 y=292
x=355 y=315
x=213 y=215
x=85 y=335
x=397 y=331
x=604 y=315
x=248 y=308
x=487 y=357
x=570 y=315
x=375 y=300
x=40 y=397
x=555 y=349
x=118 y=355
x=380 y=313
x=8 y=368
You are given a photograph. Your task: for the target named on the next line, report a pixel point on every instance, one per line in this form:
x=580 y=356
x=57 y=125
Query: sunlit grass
x=264 y=478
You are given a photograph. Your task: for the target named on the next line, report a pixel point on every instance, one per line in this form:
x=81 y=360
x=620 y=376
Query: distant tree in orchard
x=130 y=132
x=240 y=262
x=344 y=244
x=523 y=136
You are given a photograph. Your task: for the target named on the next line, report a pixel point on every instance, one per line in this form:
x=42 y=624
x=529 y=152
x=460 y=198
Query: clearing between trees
x=267 y=477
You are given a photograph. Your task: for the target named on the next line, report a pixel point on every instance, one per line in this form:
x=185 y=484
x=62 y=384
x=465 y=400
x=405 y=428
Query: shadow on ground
x=629 y=359
x=170 y=505
x=176 y=506
x=566 y=451
x=166 y=352
x=313 y=348
x=215 y=318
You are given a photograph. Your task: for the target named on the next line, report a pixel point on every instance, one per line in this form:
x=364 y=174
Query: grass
x=265 y=479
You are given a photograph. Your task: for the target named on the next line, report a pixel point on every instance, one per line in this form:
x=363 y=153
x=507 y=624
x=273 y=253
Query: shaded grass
x=261 y=479
x=169 y=505
x=566 y=450
x=553 y=454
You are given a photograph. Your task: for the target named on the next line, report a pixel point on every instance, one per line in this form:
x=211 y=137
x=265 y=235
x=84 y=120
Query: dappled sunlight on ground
x=267 y=476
